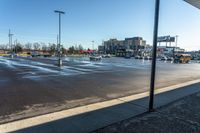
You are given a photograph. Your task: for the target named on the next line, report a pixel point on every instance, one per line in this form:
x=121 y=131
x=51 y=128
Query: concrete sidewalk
x=92 y=120
x=181 y=116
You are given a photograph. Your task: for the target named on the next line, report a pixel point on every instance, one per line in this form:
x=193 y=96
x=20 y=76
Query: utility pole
x=153 y=65
x=59 y=40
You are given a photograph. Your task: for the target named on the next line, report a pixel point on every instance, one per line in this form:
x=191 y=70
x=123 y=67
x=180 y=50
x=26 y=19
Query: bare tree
x=71 y=50
x=52 y=48
x=18 y=48
x=21 y=45
x=80 y=47
x=28 y=46
x=3 y=46
x=36 y=46
x=44 y=47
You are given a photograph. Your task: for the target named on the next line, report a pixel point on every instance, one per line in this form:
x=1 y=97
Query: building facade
x=113 y=46
x=168 y=51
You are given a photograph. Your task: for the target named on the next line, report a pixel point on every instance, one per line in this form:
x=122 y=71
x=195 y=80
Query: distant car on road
x=106 y=56
x=95 y=58
x=35 y=54
x=12 y=55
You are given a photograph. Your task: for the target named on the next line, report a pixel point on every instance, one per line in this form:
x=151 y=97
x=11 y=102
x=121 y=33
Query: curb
x=42 y=119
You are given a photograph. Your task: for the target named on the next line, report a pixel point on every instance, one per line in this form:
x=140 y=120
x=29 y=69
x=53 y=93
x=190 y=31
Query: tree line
x=50 y=47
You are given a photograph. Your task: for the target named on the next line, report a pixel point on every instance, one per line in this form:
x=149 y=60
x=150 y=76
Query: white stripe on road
x=29 y=122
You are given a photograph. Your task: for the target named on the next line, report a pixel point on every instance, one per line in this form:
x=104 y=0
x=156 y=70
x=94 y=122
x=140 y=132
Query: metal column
x=154 y=53
x=59 y=40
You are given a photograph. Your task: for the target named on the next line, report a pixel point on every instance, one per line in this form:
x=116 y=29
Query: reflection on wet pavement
x=33 y=69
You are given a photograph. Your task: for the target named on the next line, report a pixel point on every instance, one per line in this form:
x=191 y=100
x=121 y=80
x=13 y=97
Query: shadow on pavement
x=91 y=121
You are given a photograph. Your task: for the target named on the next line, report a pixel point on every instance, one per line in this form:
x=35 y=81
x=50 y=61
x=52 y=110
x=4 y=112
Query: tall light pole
x=176 y=40
x=59 y=40
x=92 y=45
x=57 y=46
x=10 y=39
x=153 y=65
x=16 y=46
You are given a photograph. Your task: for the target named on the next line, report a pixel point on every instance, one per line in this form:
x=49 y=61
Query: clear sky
x=87 y=20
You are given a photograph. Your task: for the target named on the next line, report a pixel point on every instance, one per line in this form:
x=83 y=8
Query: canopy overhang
x=195 y=3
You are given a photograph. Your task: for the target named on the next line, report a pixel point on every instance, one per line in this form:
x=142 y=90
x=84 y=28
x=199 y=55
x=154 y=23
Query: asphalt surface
x=34 y=86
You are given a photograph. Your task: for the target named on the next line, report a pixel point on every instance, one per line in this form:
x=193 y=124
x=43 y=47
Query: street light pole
x=16 y=46
x=10 y=40
x=176 y=40
x=92 y=45
x=153 y=67
x=59 y=40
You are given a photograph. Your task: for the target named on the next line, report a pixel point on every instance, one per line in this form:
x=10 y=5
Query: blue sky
x=87 y=20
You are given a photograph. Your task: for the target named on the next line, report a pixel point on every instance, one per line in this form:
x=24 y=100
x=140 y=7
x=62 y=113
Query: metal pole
x=59 y=40
x=11 y=42
x=9 y=38
x=59 y=48
x=92 y=45
x=57 y=44
x=16 y=46
x=153 y=67
x=176 y=40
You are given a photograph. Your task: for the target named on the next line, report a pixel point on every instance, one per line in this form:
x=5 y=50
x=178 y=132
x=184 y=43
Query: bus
x=182 y=58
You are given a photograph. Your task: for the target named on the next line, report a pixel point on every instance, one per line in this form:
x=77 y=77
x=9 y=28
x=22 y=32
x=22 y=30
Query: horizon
x=84 y=22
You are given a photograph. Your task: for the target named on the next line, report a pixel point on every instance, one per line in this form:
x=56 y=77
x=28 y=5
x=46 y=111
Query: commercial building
x=101 y=49
x=118 y=47
x=169 y=50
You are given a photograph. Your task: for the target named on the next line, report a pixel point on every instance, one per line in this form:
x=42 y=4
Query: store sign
x=166 y=39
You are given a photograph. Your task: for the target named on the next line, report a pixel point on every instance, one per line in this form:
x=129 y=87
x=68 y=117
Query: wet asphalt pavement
x=34 y=86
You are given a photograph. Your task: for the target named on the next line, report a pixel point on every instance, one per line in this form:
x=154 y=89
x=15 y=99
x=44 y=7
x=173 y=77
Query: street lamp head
x=57 y=11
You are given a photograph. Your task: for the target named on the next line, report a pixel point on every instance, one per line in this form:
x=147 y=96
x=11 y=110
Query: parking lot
x=34 y=86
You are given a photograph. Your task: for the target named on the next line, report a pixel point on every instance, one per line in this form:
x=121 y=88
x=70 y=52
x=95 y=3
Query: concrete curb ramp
x=90 y=117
